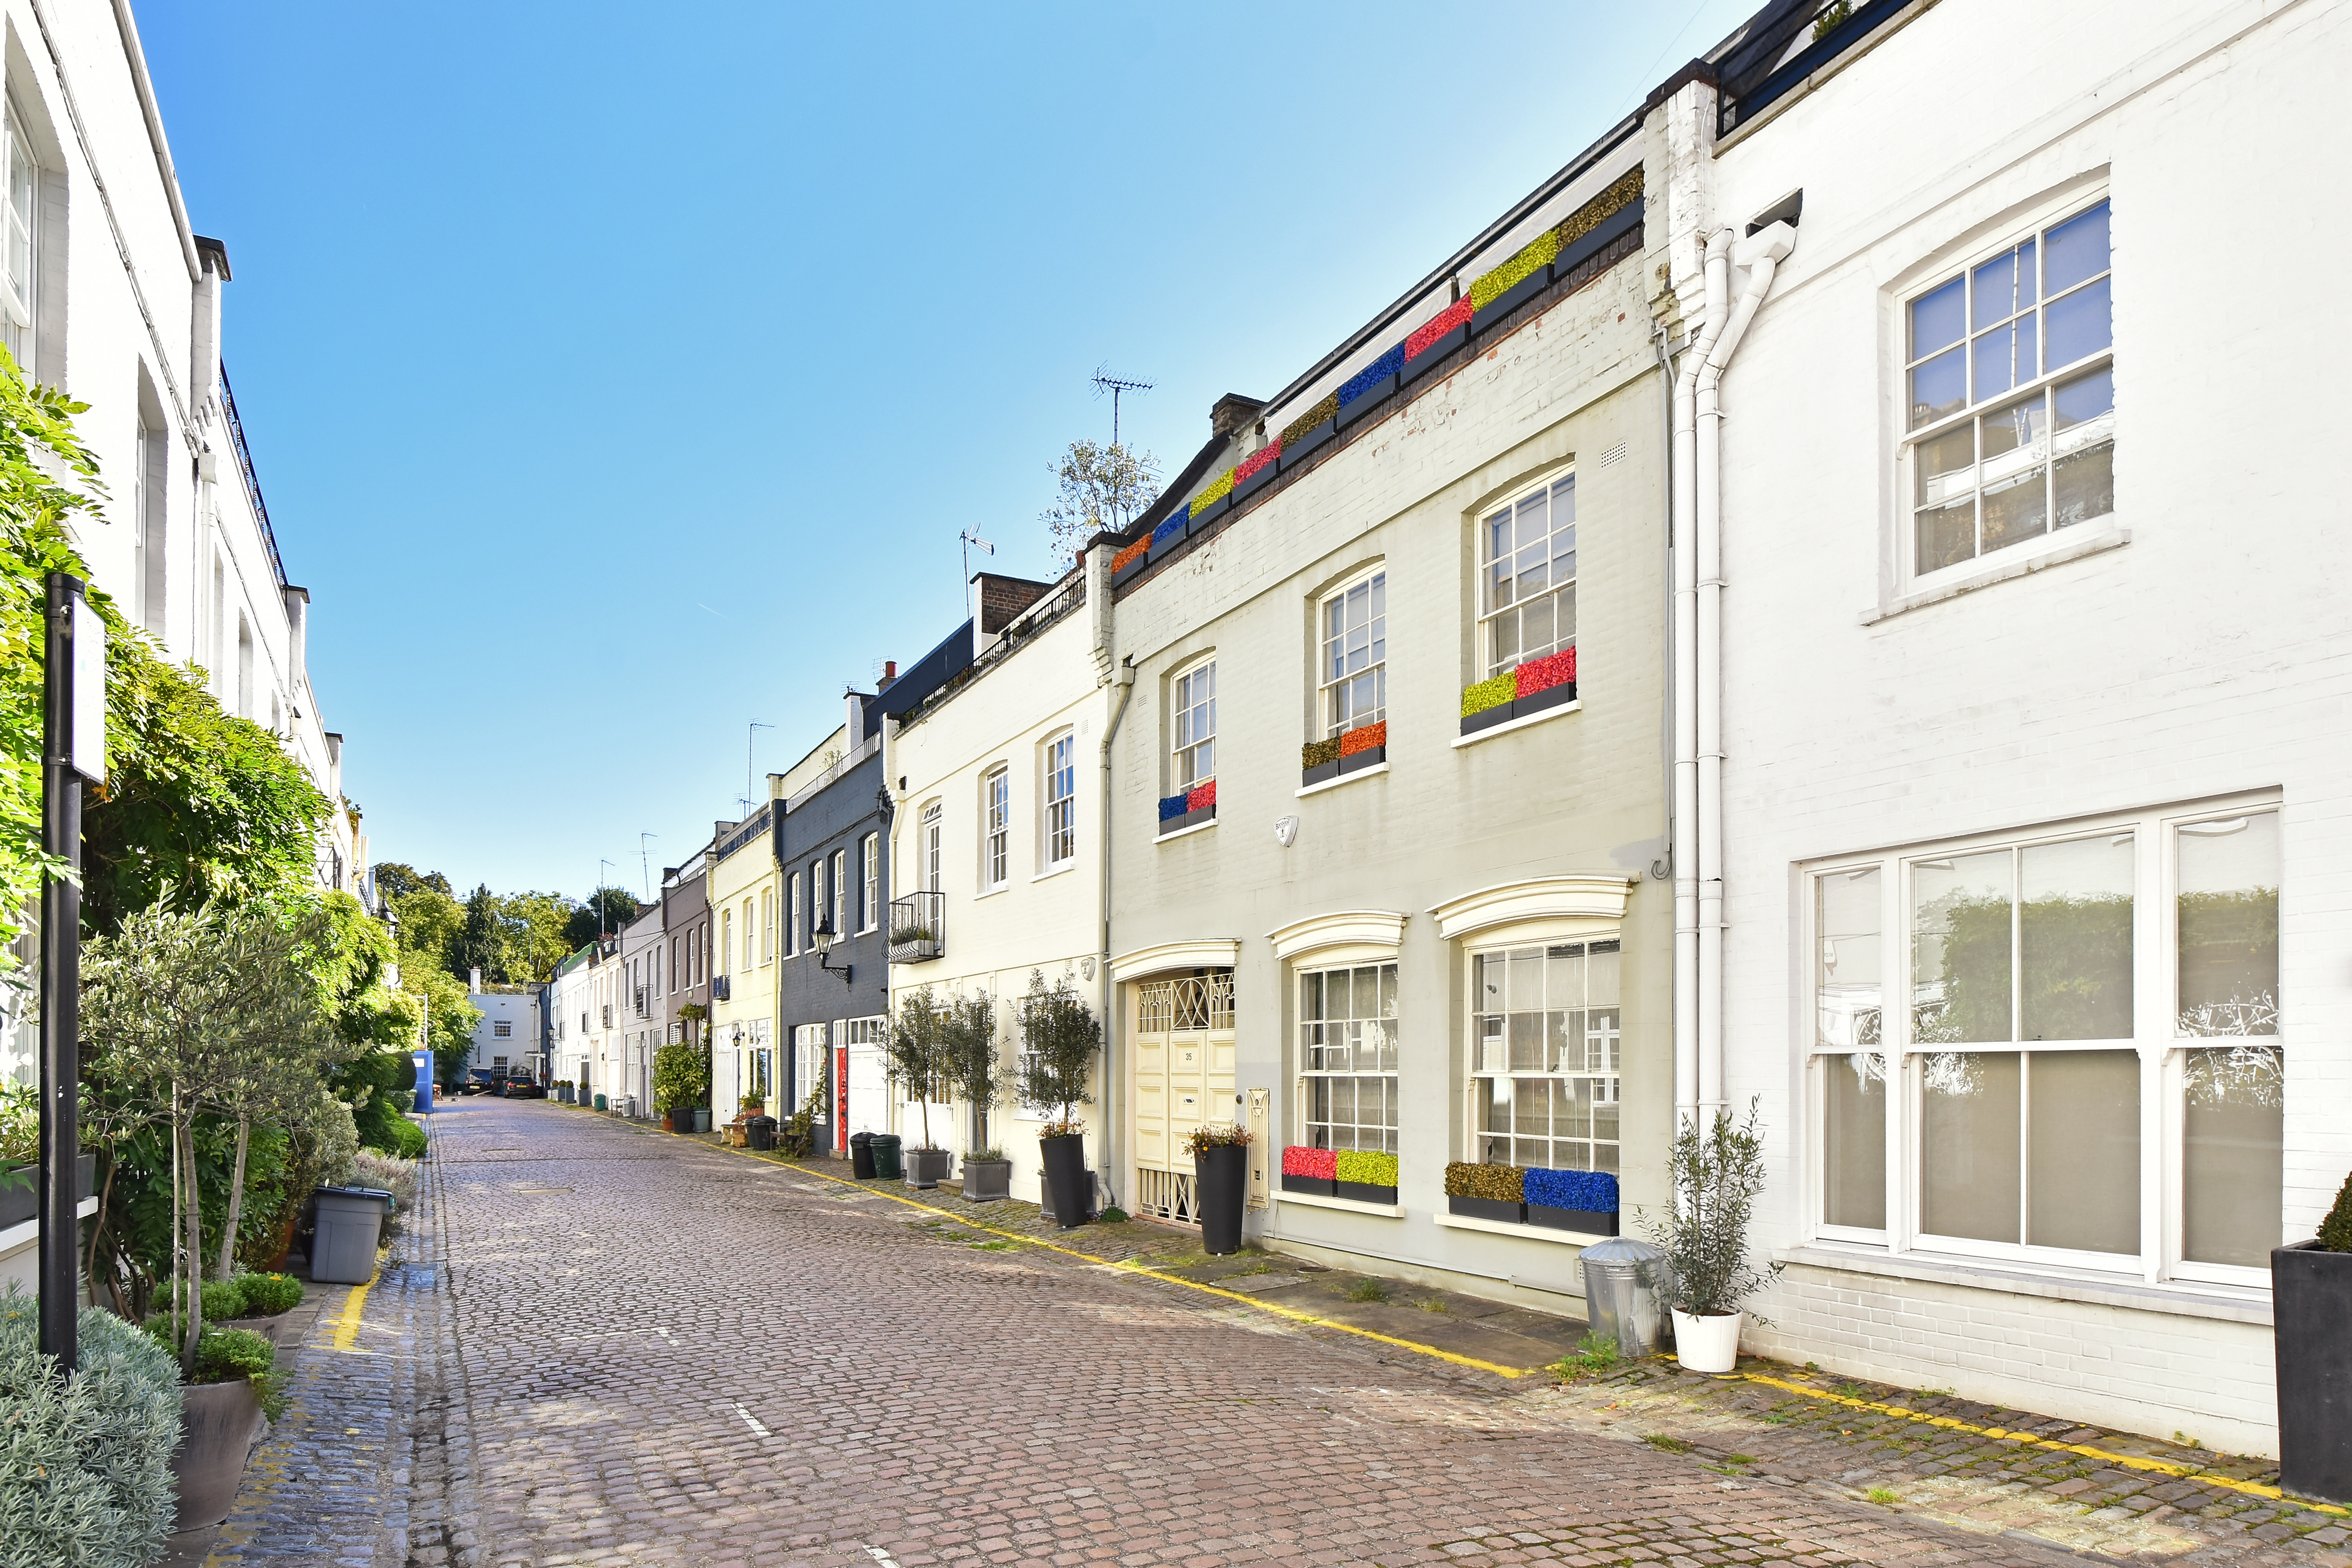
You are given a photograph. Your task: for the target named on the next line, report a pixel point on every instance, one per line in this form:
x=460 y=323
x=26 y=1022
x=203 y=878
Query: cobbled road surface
x=655 y=1352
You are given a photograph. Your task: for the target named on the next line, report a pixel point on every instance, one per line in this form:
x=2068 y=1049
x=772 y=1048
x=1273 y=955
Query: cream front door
x=1184 y=1059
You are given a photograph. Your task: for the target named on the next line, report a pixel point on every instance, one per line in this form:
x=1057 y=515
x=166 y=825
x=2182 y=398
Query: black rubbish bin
x=759 y=1132
x=885 y=1157
x=861 y=1155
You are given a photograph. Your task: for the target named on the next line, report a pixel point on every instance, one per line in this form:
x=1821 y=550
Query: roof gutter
x=128 y=29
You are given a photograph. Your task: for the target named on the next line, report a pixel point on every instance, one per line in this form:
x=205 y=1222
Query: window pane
x=1854 y=1138
x=1960 y=948
x=1946 y=534
x=1845 y=979
x=2234 y=1138
x=2075 y=934
x=2085 y=485
x=2079 y=325
x=2086 y=398
x=2229 y=926
x=2078 y=249
x=1939 y=387
x=1996 y=287
x=1969 y=1145
x=2085 y=1182
x=1937 y=319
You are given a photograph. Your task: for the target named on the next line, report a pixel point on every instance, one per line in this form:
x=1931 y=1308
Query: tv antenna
x=971 y=537
x=1115 y=386
x=646 y=863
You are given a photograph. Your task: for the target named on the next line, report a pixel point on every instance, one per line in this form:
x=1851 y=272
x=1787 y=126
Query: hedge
x=1595 y=1192
x=1368 y=1166
x=1501 y=1182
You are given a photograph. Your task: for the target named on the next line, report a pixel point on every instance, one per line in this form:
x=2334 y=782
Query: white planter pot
x=1707 y=1343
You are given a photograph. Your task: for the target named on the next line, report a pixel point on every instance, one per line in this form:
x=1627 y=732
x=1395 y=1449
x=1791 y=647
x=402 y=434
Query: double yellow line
x=1270 y=1308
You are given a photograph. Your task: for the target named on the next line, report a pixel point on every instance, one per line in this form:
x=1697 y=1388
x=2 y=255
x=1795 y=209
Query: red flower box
x=1319 y=1163
x=1203 y=796
x=1543 y=674
x=1437 y=326
x=1254 y=461
x=1363 y=738
x=1119 y=561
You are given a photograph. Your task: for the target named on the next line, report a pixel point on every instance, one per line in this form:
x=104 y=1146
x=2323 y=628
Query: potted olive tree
x=917 y=1061
x=1716 y=1175
x=1221 y=1180
x=967 y=1025
x=2311 y=1302
x=1059 y=1038
x=681 y=1080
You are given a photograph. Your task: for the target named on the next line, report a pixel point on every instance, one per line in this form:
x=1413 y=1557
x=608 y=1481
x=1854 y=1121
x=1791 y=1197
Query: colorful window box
x=1490 y=693
x=1365 y=1176
x=1520 y=692
x=1533 y=260
x=1486 y=1192
x=1196 y=806
x=1264 y=457
x=1543 y=674
x=1581 y=1201
x=1370 y=388
x=1219 y=488
x=1310 y=1171
x=1130 y=555
x=1364 y=738
x=1436 y=338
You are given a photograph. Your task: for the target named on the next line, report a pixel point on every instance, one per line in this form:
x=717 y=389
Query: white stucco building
x=506 y=1036
x=2035 y=863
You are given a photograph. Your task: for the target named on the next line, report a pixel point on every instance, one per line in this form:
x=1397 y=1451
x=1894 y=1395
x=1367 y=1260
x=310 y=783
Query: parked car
x=477 y=1082
x=522 y=1089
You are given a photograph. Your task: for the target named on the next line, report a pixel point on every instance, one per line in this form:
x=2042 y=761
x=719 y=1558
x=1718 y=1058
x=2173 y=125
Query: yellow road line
x=347 y=1323
x=2128 y=1461
x=1271 y=1309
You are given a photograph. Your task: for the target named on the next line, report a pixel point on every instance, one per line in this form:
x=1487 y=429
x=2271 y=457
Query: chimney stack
x=473 y=978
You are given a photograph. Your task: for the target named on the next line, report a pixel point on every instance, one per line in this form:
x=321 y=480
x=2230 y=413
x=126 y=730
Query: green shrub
x=267 y=1295
x=1490 y=693
x=1368 y=1166
x=681 y=1077
x=86 y=1462
x=224 y=1300
x=233 y=1353
x=397 y=1136
x=2335 y=1230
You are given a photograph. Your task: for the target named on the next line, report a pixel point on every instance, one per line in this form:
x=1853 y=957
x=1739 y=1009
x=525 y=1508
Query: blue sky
x=618 y=376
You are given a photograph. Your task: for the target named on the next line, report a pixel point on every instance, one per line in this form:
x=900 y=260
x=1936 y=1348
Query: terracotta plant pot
x=218 y=1421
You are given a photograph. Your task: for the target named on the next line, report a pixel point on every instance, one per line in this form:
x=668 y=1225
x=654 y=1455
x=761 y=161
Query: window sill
x=996 y=892
x=1187 y=832
x=2075 y=550
x=1063 y=869
x=1373 y=772
x=1308 y=1200
x=2180 y=1299
x=1508 y=726
x=1525 y=1232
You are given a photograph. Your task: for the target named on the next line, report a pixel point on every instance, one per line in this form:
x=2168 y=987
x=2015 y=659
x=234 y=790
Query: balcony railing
x=918 y=927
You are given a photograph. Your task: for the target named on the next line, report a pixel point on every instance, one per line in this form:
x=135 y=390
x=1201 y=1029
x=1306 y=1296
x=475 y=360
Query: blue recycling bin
x=424 y=1060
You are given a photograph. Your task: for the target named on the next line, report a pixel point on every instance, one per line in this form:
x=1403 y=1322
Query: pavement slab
x=612 y=1346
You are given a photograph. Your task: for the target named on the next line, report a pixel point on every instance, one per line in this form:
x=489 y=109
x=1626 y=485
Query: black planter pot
x=1222 y=1174
x=1486 y=719
x=861 y=1155
x=987 y=1181
x=1321 y=772
x=1438 y=352
x=1294 y=453
x=1488 y=1208
x=1498 y=309
x=1363 y=1193
x=1369 y=757
x=1315 y=1186
x=2311 y=1309
x=1558 y=696
x=217 y=1421
x=1065 y=1177
x=1374 y=399
x=1249 y=487
x=1169 y=825
x=1585 y=1222
x=926 y=1168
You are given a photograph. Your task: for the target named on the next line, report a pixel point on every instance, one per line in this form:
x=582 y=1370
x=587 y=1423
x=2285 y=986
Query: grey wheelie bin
x=351 y=1222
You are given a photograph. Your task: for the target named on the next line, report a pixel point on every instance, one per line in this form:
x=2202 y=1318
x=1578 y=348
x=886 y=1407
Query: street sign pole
x=73 y=732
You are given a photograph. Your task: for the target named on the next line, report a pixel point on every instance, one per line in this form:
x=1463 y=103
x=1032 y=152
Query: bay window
x=2087 y=1069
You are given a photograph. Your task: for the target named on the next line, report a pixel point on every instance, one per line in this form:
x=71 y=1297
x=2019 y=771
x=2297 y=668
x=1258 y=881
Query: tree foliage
x=914 y=1056
x=604 y=914
x=1717 y=1172
x=1096 y=487
x=1059 y=1038
x=396 y=879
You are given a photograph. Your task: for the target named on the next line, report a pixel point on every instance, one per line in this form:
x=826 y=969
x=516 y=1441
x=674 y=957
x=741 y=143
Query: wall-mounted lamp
x=824 y=935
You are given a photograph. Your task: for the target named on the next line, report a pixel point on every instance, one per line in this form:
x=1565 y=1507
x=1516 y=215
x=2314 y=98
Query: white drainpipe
x=1698 y=664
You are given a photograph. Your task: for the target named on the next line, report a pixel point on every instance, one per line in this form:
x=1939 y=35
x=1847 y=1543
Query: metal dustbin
x=885 y=1157
x=759 y=1132
x=1622 y=1277
x=861 y=1155
x=351 y=1223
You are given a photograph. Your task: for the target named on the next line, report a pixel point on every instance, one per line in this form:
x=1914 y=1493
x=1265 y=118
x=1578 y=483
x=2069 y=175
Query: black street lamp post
x=73 y=736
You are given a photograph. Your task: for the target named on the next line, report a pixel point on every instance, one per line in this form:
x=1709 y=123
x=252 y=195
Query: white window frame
x=1335 y=687
x=934 y=839
x=1608 y=1080
x=1310 y=1075
x=1059 y=831
x=726 y=941
x=2056 y=534
x=870 y=855
x=767 y=925
x=1192 y=725
x=838 y=877
x=1551 y=486
x=2161 y=1051
x=793 y=944
x=995 y=827
x=19 y=296
x=750 y=934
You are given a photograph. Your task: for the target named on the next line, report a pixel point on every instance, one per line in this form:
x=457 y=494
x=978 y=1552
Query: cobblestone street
x=606 y=1346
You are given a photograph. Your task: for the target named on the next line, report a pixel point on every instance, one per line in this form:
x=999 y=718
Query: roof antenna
x=970 y=536
x=1113 y=385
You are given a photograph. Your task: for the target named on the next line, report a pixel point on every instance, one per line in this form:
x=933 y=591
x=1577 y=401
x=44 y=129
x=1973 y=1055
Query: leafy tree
x=477 y=946
x=681 y=1077
x=916 y=1057
x=1096 y=487
x=394 y=879
x=604 y=914
x=188 y=1012
x=535 y=932
x=968 y=1057
x=1717 y=1172
x=1059 y=1038
x=429 y=923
